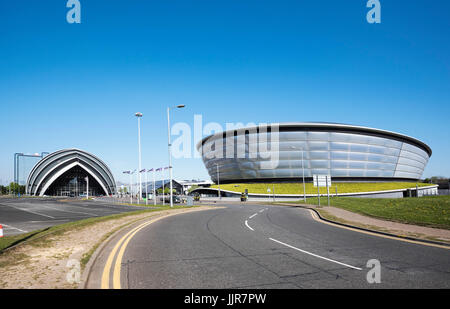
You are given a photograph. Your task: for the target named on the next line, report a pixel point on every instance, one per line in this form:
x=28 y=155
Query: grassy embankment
x=297 y=188
x=432 y=211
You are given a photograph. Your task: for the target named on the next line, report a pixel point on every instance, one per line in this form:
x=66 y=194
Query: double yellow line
x=120 y=247
x=315 y=217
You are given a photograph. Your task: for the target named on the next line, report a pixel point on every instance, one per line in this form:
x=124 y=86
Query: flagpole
x=146 y=188
x=131 y=189
x=154 y=195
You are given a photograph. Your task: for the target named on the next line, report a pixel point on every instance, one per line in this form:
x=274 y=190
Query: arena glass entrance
x=73 y=183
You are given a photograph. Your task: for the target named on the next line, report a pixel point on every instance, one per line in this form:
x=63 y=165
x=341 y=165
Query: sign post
x=273 y=191
x=322 y=181
x=328 y=189
x=318 y=188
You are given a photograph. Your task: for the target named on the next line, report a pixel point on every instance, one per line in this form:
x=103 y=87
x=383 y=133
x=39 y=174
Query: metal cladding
x=54 y=165
x=343 y=151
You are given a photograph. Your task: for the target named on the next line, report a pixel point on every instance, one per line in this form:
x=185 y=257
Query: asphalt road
x=21 y=215
x=258 y=246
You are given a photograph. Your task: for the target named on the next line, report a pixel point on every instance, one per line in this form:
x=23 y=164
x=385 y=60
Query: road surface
x=261 y=246
x=21 y=215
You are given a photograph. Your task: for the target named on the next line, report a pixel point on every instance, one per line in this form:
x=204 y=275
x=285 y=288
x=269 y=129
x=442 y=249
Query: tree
x=166 y=191
x=15 y=189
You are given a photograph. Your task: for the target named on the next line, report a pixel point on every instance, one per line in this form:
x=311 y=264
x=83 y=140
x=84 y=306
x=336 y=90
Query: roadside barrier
x=1 y=230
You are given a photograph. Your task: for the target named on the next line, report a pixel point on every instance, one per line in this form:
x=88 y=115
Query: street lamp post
x=139 y=116
x=170 y=152
x=303 y=172
x=304 y=186
x=136 y=188
x=218 y=181
x=87 y=187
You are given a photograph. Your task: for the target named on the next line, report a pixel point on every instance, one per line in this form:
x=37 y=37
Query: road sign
x=322 y=180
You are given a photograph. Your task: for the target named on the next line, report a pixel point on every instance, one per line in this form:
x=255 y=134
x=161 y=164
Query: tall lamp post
x=87 y=187
x=170 y=150
x=139 y=116
x=303 y=172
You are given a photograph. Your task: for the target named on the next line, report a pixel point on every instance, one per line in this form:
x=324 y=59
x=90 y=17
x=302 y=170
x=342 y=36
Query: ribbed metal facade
x=53 y=166
x=342 y=151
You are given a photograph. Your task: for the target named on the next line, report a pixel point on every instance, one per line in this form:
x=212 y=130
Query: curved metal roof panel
x=51 y=164
x=327 y=126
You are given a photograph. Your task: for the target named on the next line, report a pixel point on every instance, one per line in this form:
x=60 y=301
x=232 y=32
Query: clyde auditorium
x=63 y=173
x=345 y=152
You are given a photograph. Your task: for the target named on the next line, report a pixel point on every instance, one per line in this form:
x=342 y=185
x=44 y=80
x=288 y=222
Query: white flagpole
x=131 y=189
x=154 y=193
x=146 y=188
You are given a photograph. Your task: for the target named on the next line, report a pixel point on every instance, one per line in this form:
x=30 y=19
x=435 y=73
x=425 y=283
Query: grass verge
x=297 y=188
x=432 y=211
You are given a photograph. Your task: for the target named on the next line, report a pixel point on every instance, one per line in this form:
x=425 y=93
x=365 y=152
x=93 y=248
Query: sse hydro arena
x=345 y=152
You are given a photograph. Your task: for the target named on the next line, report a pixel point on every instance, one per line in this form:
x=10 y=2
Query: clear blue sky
x=78 y=85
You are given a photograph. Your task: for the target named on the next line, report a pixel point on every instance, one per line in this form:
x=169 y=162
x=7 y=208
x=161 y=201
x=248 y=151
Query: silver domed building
x=345 y=152
x=63 y=173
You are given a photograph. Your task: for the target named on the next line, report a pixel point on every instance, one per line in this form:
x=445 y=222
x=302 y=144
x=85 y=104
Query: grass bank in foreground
x=8 y=241
x=297 y=188
x=432 y=211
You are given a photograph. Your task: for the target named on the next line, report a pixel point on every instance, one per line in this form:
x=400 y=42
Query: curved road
x=260 y=246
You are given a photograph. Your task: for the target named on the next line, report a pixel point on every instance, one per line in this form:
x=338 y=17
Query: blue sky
x=78 y=85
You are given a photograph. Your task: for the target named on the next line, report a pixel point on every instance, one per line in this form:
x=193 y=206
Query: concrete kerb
x=425 y=241
x=87 y=269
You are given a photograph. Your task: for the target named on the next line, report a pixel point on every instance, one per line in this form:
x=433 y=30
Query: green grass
x=37 y=238
x=432 y=211
x=297 y=188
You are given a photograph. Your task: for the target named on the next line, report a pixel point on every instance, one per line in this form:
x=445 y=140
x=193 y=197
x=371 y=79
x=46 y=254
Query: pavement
x=262 y=246
x=22 y=215
x=397 y=228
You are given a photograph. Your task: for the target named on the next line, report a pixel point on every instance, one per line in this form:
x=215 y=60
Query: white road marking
x=315 y=255
x=69 y=211
x=252 y=216
x=14 y=228
x=246 y=223
x=262 y=210
x=62 y=220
